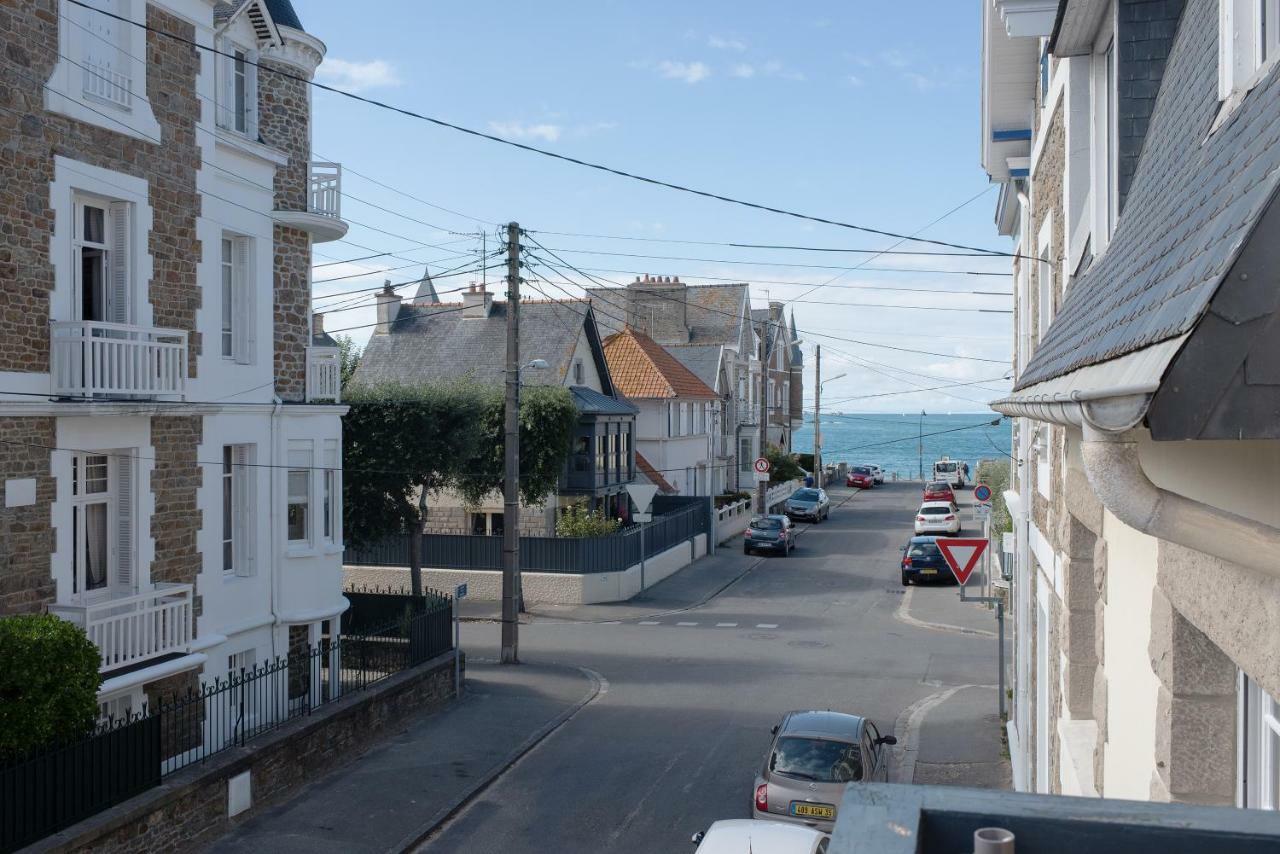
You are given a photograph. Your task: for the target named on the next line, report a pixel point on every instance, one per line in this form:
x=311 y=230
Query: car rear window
x=820 y=760
x=934 y=511
x=945 y=467
x=923 y=550
x=861 y=470
x=766 y=524
x=805 y=495
x=938 y=486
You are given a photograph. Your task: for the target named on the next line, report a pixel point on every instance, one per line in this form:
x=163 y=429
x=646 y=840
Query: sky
x=862 y=112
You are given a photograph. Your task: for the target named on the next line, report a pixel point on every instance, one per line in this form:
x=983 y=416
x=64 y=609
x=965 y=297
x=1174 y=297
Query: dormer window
x=1248 y=44
x=237 y=88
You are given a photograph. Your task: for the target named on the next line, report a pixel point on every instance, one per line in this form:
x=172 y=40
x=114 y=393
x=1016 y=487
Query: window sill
x=333 y=549
x=301 y=550
x=1236 y=98
x=236 y=141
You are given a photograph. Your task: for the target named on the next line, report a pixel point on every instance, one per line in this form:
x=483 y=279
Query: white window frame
x=121 y=706
x=1105 y=159
x=301 y=462
x=237 y=339
x=1248 y=47
x=117 y=297
x=1044 y=278
x=244 y=121
x=119 y=516
x=1257 y=746
x=1043 y=467
x=239 y=529
x=331 y=494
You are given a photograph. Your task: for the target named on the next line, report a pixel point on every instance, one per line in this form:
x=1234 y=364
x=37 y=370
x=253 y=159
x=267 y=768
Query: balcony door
x=101 y=246
x=101 y=526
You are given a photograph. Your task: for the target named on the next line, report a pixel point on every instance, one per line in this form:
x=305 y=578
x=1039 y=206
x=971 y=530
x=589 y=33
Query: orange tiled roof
x=641 y=368
x=653 y=475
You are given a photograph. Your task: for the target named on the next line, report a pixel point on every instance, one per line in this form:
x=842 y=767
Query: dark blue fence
x=683 y=519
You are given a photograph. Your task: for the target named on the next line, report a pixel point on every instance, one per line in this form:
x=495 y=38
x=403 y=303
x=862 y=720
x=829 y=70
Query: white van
x=950 y=471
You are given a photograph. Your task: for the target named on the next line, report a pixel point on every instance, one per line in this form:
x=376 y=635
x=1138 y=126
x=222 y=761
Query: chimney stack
x=388 y=308
x=317 y=323
x=477 y=301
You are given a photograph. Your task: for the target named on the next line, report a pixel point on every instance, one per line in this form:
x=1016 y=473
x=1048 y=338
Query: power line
x=736 y=245
x=337 y=261
x=917 y=436
x=534 y=149
x=775 y=263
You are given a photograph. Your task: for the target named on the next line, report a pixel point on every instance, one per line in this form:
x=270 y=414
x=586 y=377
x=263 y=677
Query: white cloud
x=357 y=76
x=772 y=68
x=520 y=130
x=689 y=72
x=854 y=80
x=721 y=43
x=893 y=58
x=743 y=70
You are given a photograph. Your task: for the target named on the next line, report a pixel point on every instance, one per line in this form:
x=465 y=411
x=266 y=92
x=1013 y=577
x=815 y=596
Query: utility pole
x=511 y=479
x=817 y=415
x=920 y=446
x=763 y=486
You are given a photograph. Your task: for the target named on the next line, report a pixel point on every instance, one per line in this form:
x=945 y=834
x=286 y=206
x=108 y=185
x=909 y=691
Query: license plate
x=803 y=810
x=928 y=572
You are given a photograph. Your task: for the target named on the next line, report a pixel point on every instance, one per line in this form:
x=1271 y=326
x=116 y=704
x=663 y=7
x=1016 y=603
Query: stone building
x=780 y=350
x=170 y=443
x=1134 y=144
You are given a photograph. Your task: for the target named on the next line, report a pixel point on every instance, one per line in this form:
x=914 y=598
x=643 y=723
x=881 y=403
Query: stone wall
x=174 y=481
x=26 y=533
x=188 y=812
x=32 y=137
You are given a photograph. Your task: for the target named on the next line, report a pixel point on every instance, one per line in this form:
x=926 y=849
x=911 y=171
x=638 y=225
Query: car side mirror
x=887 y=739
x=773 y=730
x=698 y=837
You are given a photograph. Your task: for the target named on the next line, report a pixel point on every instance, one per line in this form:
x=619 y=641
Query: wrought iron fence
x=55 y=787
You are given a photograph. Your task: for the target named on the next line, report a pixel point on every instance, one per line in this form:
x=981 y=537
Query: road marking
x=611 y=623
x=686 y=624
x=766 y=625
x=903 y=615
x=908 y=724
x=650 y=623
x=726 y=625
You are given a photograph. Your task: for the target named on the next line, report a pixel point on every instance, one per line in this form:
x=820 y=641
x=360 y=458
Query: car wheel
x=746 y=550
x=905 y=581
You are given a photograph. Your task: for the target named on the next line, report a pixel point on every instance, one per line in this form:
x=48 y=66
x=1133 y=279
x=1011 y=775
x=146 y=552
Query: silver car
x=808 y=503
x=814 y=755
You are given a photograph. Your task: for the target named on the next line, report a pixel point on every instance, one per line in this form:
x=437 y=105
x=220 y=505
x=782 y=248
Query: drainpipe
x=275 y=558
x=1110 y=454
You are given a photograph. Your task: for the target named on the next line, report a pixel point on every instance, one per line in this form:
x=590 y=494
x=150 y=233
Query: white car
x=748 y=836
x=877 y=474
x=937 y=517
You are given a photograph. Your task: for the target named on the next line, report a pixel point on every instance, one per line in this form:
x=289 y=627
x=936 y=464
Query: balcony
x=324 y=374
x=323 y=217
x=132 y=629
x=106 y=361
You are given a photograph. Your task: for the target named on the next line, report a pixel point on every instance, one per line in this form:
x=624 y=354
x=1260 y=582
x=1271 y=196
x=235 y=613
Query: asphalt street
x=673 y=740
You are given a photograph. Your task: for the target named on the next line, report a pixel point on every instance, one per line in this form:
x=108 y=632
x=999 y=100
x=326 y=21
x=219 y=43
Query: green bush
x=724 y=499
x=995 y=474
x=48 y=682
x=783 y=466
x=578 y=521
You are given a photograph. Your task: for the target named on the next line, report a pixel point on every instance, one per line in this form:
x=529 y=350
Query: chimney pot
x=317 y=322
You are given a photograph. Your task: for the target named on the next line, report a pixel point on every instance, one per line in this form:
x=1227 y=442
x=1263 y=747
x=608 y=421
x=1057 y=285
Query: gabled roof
x=713 y=313
x=642 y=369
x=797 y=356
x=432 y=342
x=265 y=16
x=1195 y=199
x=703 y=359
x=653 y=475
x=426 y=289
x=591 y=402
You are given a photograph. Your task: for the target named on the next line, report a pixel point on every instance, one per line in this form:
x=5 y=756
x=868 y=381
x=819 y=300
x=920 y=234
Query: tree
x=578 y=521
x=348 y=357
x=782 y=466
x=48 y=684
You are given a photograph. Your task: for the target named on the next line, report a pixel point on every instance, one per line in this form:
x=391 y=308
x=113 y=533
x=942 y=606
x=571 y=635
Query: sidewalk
x=390 y=797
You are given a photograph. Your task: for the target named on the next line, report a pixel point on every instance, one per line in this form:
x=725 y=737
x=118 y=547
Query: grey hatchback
x=814 y=755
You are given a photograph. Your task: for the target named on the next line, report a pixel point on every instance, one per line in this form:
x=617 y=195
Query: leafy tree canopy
x=783 y=466
x=48 y=684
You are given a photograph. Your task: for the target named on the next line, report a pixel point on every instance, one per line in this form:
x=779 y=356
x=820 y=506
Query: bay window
x=298 y=515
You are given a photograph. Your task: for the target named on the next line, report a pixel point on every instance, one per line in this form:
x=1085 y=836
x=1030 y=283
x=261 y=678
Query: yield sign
x=962 y=555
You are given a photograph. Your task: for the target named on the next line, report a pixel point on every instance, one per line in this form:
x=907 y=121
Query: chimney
x=317 y=323
x=476 y=302
x=775 y=309
x=388 y=308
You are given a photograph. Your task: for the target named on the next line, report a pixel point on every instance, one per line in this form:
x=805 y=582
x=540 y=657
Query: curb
x=599 y=685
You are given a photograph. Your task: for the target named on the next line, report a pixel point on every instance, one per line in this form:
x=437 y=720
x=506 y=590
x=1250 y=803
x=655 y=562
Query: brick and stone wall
x=32 y=137
x=174 y=481
x=26 y=533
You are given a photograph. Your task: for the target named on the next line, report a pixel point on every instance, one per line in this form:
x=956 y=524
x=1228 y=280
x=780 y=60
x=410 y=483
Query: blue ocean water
x=890 y=440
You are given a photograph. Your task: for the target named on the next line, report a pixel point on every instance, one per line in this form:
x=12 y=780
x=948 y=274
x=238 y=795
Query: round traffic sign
x=761 y=465
x=982 y=493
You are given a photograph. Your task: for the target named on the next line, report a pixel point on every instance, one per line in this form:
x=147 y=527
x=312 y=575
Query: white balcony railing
x=131 y=629
x=102 y=82
x=111 y=360
x=324 y=374
x=326 y=189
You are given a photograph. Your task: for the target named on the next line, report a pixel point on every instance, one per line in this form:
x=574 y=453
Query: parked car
x=922 y=560
x=772 y=533
x=951 y=471
x=861 y=477
x=877 y=474
x=937 y=517
x=814 y=755
x=742 y=835
x=939 y=490
x=808 y=503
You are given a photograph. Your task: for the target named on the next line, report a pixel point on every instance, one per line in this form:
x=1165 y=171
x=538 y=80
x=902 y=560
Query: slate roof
x=436 y=342
x=653 y=475
x=281 y=11
x=1194 y=200
x=642 y=369
x=797 y=356
x=426 y=289
x=591 y=402
x=702 y=359
x=712 y=312
x=322 y=339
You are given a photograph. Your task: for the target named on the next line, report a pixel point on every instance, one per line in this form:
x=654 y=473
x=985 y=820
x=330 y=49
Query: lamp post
x=817 y=417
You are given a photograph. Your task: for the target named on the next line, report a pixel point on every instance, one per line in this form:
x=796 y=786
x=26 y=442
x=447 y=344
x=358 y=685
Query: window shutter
x=124 y=522
x=244 y=341
x=251 y=95
x=118 y=293
x=225 y=85
x=242 y=490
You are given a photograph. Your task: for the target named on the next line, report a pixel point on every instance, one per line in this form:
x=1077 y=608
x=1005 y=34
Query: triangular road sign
x=961 y=555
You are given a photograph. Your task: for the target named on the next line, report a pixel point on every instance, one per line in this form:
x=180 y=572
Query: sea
x=903 y=443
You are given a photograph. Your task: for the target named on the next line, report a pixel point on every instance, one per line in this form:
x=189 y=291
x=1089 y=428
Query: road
x=674 y=741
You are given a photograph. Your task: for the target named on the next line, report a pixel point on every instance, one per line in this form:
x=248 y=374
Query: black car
x=922 y=560
x=773 y=533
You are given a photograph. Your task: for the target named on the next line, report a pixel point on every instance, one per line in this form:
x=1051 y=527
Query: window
x=237 y=89
x=332 y=510
x=1248 y=45
x=299 y=495
x=1044 y=277
x=101 y=524
x=237 y=510
x=486 y=524
x=578 y=372
x=745 y=457
x=1105 y=147
x=613 y=455
x=1258 y=738
x=107 y=67
x=118 y=708
x=100 y=242
x=237 y=294
x=242 y=661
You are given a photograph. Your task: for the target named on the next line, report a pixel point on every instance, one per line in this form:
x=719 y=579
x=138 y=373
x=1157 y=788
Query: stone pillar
x=1195 y=712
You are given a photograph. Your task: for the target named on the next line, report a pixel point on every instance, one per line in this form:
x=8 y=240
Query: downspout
x=1110 y=455
x=274 y=555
